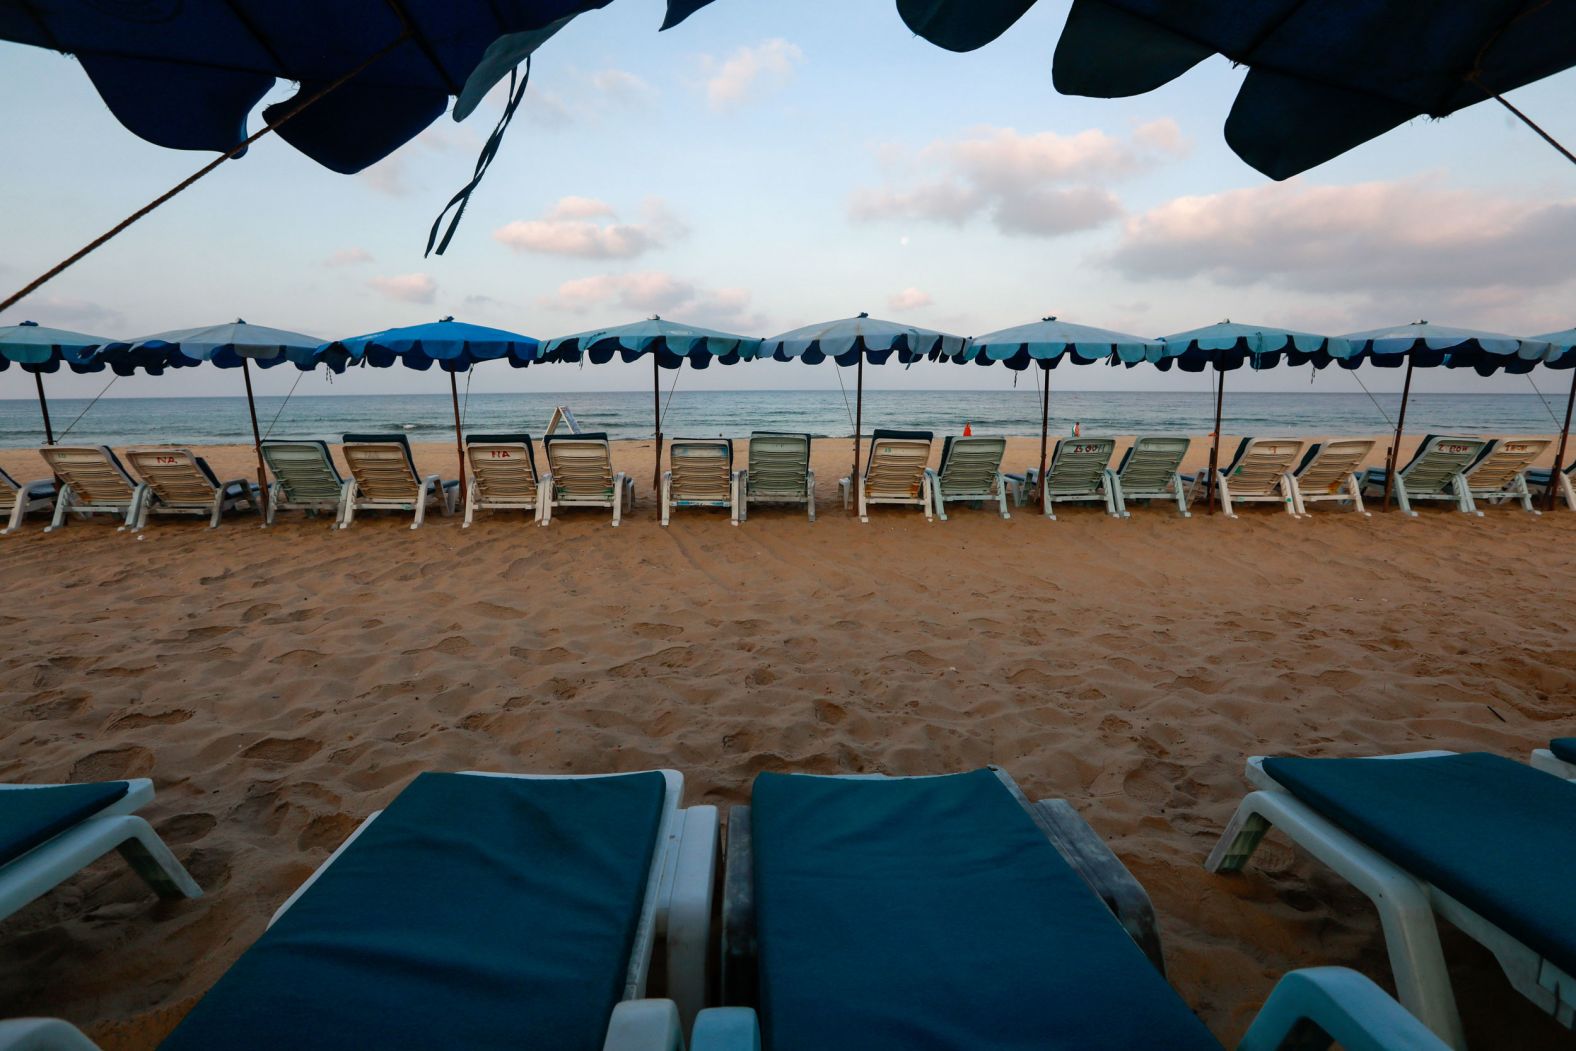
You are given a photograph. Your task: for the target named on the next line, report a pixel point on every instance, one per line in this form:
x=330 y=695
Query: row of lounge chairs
x=490 y=911
x=503 y=475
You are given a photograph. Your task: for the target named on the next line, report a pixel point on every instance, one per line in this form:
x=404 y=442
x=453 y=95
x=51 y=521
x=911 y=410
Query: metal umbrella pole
x=1559 y=454
x=859 y=415
x=257 y=439
x=1045 y=429
x=656 y=415
x=1395 y=446
x=1214 y=449
x=459 y=439
x=43 y=407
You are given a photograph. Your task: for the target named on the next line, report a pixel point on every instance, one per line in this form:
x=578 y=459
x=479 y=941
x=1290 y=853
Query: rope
x=234 y=151
x=669 y=403
x=484 y=159
x=299 y=376
x=1371 y=398
x=465 y=405
x=89 y=405
x=837 y=370
x=1544 y=401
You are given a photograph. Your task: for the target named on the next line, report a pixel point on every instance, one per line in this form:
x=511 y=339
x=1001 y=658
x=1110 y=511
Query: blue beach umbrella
x=1047 y=343
x=668 y=343
x=1562 y=355
x=39 y=349
x=849 y=341
x=453 y=346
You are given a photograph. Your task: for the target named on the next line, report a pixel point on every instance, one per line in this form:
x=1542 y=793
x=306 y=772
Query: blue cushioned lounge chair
x=1499 y=474
x=384 y=478
x=581 y=474
x=1260 y=471
x=1079 y=470
x=896 y=472
x=24 y=497
x=179 y=482
x=305 y=479
x=1437 y=471
x=970 y=470
x=93 y=482
x=1150 y=469
x=49 y=833
x=779 y=472
x=1558 y=758
x=503 y=475
x=1478 y=839
x=700 y=474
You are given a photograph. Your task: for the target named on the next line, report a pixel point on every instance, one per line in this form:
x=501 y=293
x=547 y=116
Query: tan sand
x=278 y=686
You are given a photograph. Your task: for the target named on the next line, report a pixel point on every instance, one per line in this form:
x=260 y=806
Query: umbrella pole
x=257 y=440
x=1045 y=431
x=656 y=415
x=1214 y=449
x=1395 y=446
x=49 y=432
x=1559 y=455
x=859 y=418
x=459 y=439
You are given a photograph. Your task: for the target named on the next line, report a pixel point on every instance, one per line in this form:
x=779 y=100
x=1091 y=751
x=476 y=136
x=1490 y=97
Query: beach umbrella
x=1229 y=345
x=453 y=346
x=1430 y=345
x=1322 y=78
x=1047 y=343
x=670 y=346
x=38 y=349
x=850 y=341
x=1562 y=355
x=229 y=346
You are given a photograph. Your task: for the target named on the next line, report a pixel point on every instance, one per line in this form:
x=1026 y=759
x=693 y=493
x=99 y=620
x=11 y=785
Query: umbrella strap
x=281 y=411
x=669 y=403
x=1542 y=400
x=517 y=84
x=89 y=405
x=465 y=406
x=837 y=370
x=1371 y=398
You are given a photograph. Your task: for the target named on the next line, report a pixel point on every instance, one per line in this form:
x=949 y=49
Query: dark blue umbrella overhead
x=1322 y=77
x=38 y=350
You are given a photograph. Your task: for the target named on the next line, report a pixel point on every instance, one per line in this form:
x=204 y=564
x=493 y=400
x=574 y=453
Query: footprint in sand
x=186 y=828
x=283 y=749
x=113 y=764
x=326 y=831
x=657 y=631
x=133 y=720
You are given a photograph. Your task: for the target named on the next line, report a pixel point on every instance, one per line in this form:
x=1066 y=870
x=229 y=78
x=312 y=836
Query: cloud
x=620 y=85
x=745 y=72
x=64 y=311
x=658 y=292
x=388 y=176
x=1406 y=235
x=571 y=228
x=546 y=109
x=348 y=257
x=407 y=288
x=1041 y=184
x=910 y=299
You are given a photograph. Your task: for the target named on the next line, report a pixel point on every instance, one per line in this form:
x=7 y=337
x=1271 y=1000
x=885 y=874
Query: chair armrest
x=1320 y=1006
x=42 y=1034
x=644 y=1025
x=726 y=1029
x=738 y=913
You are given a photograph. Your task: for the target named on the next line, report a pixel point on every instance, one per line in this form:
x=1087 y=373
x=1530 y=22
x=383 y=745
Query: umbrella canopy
x=38 y=348
x=1562 y=348
x=1427 y=345
x=1228 y=345
x=1322 y=78
x=228 y=346
x=672 y=344
x=862 y=338
x=1048 y=341
x=453 y=345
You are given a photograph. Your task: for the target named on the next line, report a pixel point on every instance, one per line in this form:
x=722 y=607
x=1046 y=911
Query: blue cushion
x=932 y=913
x=1492 y=833
x=881 y=432
x=33 y=815
x=1564 y=749
x=476 y=912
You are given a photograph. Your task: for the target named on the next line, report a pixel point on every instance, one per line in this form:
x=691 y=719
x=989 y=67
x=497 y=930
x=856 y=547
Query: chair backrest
x=702 y=468
x=581 y=464
x=897 y=463
x=1327 y=466
x=779 y=463
x=382 y=465
x=1439 y=458
x=304 y=469
x=1260 y=464
x=1502 y=460
x=502 y=465
x=93 y=472
x=970 y=465
x=1150 y=464
x=175 y=475
x=1078 y=464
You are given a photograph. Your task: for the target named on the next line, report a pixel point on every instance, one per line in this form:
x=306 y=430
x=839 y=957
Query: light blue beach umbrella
x=669 y=344
x=849 y=341
x=39 y=349
x=1562 y=355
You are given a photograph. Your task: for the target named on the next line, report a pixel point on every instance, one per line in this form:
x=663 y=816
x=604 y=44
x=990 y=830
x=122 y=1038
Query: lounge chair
x=949 y=912
x=1558 y=758
x=25 y=497
x=49 y=833
x=1079 y=470
x=1500 y=471
x=1150 y=470
x=1435 y=472
x=93 y=483
x=305 y=479
x=779 y=472
x=1478 y=839
x=700 y=474
x=580 y=474
x=384 y=478
x=1329 y=472
x=480 y=911
x=179 y=482
x=1259 y=472
x=970 y=470
x=1539 y=478
x=896 y=472
x=503 y=475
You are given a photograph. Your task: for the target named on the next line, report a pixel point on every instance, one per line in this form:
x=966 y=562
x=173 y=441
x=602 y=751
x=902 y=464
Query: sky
x=768 y=165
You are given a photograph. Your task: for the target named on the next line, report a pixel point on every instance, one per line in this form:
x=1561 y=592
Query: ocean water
x=734 y=414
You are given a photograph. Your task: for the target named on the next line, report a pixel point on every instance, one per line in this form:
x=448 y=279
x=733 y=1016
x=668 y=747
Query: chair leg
x=63 y=504
x=809 y=494
x=1050 y=503
x=618 y=498
x=1108 y=490
x=842 y=487
x=937 y=495
x=218 y=510
x=422 y=496
x=667 y=496
x=864 y=511
x=17 y=511
x=1001 y=495
x=926 y=490
x=1464 y=496
x=1289 y=495
x=1355 y=487
x=1524 y=494
x=470 y=504
x=1225 y=496
x=1182 y=494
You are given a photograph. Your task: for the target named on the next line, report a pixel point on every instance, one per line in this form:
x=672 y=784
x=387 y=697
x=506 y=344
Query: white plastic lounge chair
x=1500 y=471
x=700 y=474
x=305 y=479
x=25 y=497
x=1259 y=472
x=1478 y=839
x=580 y=474
x=1329 y=472
x=1435 y=472
x=179 y=482
x=1079 y=470
x=384 y=478
x=479 y=911
x=93 y=482
x=503 y=475
x=49 y=833
x=970 y=470
x=779 y=472
x=1150 y=469
x=1559 y=758
x=897 y=472
x=1538 y=480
